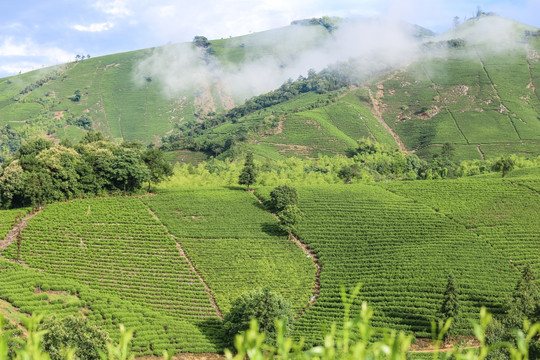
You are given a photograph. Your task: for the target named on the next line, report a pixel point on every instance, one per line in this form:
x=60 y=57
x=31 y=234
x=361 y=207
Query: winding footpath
x=14 y=233
x=313 y=256
x=193 y=268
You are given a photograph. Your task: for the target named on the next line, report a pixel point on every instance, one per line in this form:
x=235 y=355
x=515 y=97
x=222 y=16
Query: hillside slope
x=481 y=96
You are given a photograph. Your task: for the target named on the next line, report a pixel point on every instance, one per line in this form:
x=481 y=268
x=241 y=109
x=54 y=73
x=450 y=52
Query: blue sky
x=40 y=33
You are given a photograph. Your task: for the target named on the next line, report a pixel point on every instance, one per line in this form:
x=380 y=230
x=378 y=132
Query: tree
x=262 y=304
x=505 y=164
x=201 y=41
x=11 y=185
x=75 y=333
x=158 y=166
x=348 y=172
x=523 y=304
x=448 y=151
x=289 y=218
x=249 y=172
x=76 y=96
x=281 y=196
x=91 y=136
x=450 y=305
x=128 y=171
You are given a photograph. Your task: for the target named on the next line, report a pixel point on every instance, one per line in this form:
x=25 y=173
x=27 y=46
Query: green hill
x=200 y=248
x=474 y=86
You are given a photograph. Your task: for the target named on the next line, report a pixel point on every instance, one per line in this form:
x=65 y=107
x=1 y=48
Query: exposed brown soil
x=481 y=152
x=425 y=345
x=58 y=115
x=13 y=233
x=377 y=111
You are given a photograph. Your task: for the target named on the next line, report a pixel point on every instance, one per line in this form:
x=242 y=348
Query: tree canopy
x=265 y=306
x=41 y=172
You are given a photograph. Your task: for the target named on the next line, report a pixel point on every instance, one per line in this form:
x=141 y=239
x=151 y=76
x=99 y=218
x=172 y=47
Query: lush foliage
x=358 y=340
x=263 y=305
x=394 y=246
x=235 y=244
x=115 y=246
x=76 y=333
x=281 y=196
x=32 y=291
x=41 y=172
x=249 y=172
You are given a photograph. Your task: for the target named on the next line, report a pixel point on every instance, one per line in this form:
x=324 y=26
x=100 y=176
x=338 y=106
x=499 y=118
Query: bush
x=73 y=333
x=281 y=196
x=263 y=305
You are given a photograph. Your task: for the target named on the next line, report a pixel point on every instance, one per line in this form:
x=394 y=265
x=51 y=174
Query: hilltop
x=331 y=84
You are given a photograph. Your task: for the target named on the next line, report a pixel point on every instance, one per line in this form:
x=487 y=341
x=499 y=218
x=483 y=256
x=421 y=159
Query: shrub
x=263 y=305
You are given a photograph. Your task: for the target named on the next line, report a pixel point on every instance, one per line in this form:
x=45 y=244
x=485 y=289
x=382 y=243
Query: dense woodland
x=41 y=171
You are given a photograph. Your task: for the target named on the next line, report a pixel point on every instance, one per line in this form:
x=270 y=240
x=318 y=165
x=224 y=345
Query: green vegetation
x=41 y=172
x=76 y=333
x=394 y=246
x=263 y=305
x=372 y=343
x=32 y=291
x=235 y=244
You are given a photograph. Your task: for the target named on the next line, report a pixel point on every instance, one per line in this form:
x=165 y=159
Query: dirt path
x=13 y=233
x=309 y=253
x=531 y=83
x=502 y=106
x=377 y=111
x=481 y=152
x=193 y=268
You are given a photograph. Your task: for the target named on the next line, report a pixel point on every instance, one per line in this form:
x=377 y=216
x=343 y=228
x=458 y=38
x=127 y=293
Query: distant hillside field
x=474 y=86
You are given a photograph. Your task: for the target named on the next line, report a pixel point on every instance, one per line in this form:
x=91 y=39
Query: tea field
x=400 y=251
x=170 y=264
x=235 y=244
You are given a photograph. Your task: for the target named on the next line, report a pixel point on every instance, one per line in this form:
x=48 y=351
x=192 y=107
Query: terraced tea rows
x=235 y=244
x=116 y=246
x=502 y=213
x=7 y=220
x=402 y=253
x=33 y=291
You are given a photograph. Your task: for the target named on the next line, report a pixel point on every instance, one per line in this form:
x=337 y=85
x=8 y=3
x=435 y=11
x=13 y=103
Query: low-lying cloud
x=276 y=58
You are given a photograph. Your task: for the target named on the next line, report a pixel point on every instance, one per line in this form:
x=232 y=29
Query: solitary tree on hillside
x=505 y=165
x=159 y=168
x=281 y=196
x=263 y=305
x=289 y=218
x=450 y=305
x=249 y=173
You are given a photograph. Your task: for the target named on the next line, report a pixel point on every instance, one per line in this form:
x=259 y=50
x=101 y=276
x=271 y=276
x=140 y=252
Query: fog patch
x=273 y=57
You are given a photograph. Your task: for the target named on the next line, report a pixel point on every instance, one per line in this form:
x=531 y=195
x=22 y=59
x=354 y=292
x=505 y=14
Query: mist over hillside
x=147 y=94
x=380 y=43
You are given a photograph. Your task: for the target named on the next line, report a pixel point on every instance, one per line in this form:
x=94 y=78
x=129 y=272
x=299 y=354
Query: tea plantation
x=180 y=257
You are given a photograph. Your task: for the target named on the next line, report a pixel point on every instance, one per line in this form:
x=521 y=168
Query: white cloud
x=118 y=8
x=16 y=67
x=99 y=27
x=24 y=55
x=10 y=48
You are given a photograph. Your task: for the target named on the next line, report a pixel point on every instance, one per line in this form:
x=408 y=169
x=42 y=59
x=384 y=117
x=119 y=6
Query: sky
x=38 y=33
